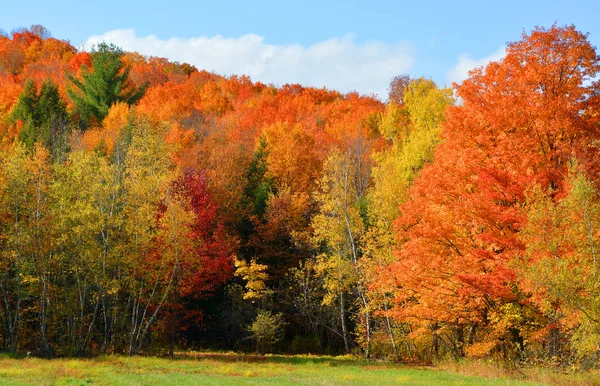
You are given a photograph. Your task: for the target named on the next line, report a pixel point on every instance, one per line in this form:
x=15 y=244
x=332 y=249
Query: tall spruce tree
x=103 y=85
x=44 y=116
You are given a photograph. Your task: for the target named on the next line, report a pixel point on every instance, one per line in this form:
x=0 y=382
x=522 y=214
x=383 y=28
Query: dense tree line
x=146 y=206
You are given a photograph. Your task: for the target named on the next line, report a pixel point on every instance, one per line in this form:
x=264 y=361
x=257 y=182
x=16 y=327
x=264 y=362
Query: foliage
x=416 y=229
x=42 y=117
x=560 y=261
x=266 y=330
x=255 y=278
x=104 y=84
x=459 y=230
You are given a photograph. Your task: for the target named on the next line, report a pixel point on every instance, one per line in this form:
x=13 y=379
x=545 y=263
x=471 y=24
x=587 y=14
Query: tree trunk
x=367 y=316
x=459 y=336
x=343 y=320
x=43 y=324
x=553 y=342
x=388 y=326
x=435 y=341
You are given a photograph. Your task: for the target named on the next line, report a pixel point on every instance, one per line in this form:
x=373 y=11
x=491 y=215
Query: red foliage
x=210 y=263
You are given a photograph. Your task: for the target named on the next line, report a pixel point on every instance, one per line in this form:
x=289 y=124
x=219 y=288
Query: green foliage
x=256 y=192
x=25 y=109
x=266 y=330
x=44 y=117
x=563 y=257
x=259 y=184
x=103 y=85
x=235 y=314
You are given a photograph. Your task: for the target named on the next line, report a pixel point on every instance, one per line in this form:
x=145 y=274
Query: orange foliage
x=155 y=70
x=521 y=121
x=79 y=60
x=9 y=93
x=186 y=153
x=105 y=137
x=292 y=158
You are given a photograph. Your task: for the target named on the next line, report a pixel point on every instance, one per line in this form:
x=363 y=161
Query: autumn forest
x=148 y=206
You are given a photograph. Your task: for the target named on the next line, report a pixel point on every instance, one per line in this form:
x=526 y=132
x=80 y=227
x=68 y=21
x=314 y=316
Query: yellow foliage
x=414 y=130
x=254 y=274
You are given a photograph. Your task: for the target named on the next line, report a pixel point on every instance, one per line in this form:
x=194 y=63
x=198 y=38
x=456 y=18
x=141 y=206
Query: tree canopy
x=104 y=84
x=148 y=206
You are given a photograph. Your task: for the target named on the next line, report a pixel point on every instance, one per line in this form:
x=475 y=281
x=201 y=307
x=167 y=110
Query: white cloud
x=336 y=63
x=465 y=63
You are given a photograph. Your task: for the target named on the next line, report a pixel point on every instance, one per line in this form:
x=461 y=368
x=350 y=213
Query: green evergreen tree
x=44 y=116
x=103 y=85
x=26 y=105
x=256 y=192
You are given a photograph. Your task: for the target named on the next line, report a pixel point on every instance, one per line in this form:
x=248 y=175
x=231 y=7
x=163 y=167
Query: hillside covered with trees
x=148 y=206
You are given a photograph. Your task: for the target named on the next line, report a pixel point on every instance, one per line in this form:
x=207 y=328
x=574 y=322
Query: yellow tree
x=255 y=276
x=15 y=200
x=337 y=230
x=26 y=229
x=41 y=231
x=156 y=227
x=413 y=130
x=86 y=199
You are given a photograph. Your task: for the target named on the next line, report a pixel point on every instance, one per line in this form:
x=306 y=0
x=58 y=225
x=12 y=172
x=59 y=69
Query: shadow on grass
x=284 y=359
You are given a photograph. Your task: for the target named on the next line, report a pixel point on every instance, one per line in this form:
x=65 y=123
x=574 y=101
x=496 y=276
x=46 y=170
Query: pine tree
x=103 y=85
x=44 y=117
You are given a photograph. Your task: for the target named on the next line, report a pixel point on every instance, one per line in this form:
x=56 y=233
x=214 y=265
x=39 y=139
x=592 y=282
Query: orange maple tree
x=521 y=121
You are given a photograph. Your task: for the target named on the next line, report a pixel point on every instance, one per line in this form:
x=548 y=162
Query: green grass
x=227 y=369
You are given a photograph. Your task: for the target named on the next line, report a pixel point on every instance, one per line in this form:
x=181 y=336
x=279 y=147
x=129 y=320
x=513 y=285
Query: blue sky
x=339 y=44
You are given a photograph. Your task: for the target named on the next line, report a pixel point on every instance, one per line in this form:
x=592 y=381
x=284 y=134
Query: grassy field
x=227 y=369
